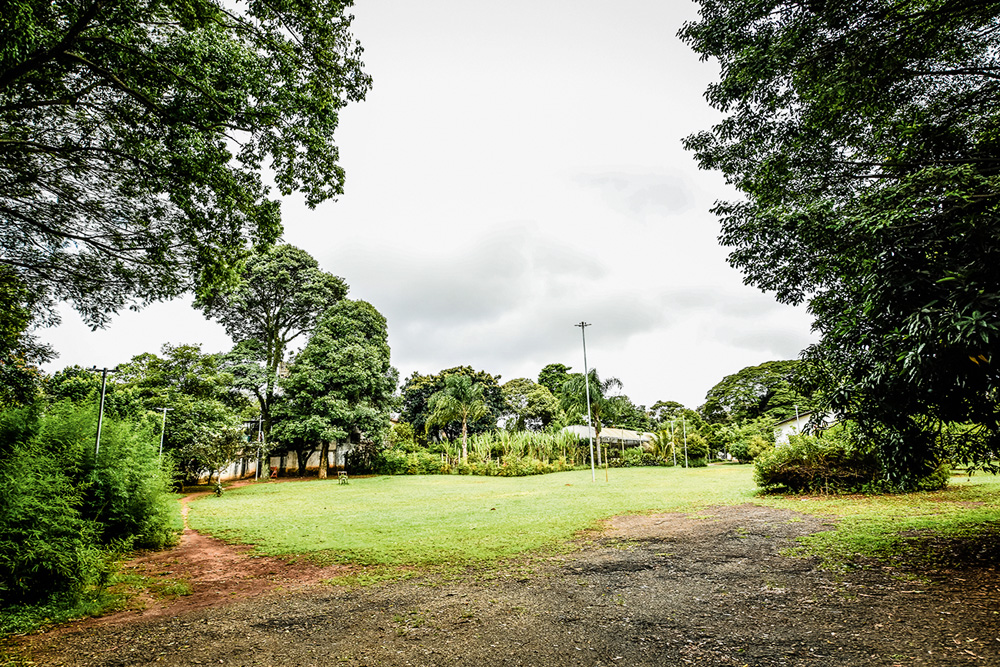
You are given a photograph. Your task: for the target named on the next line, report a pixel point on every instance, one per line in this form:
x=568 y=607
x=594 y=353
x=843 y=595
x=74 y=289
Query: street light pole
x=163 y=429
x=586 y=379
x=100 y=410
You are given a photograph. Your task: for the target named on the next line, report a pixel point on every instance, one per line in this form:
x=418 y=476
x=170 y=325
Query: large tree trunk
x=265 y=429
x=302 y=456
x=324 y=455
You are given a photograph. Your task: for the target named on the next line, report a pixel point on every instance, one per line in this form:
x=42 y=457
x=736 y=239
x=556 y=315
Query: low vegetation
x=834 y=462
x=456 y=521
x=66 y=515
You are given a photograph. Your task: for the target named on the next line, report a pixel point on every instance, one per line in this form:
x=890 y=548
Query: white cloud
x=516 y=169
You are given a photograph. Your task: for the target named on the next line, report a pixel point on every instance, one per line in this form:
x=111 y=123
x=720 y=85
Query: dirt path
x=710 y=589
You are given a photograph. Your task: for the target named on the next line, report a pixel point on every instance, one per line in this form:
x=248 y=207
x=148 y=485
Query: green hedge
x=399 y=462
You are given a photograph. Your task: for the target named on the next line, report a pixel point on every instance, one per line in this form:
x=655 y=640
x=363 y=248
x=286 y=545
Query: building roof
x=608 y=433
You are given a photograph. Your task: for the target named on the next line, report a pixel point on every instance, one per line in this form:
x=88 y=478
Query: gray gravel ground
x=712 y=589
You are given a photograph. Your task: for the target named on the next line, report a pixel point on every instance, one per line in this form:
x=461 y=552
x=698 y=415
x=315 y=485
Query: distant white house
x=800 y=425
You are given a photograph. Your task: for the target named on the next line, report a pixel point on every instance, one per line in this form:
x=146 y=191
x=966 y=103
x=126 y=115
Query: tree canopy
x=133 y=136
x=341 y=384
x=531 y=406
x=418 y=389
x=204 y=428
x=553 y=377
x=280 y=295
x=863 y=139
x=766 y=390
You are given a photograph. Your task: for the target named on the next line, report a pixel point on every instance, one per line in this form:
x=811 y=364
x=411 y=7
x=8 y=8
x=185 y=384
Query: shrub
x=635 y=457
x=697 y=451
x=46 y=546
x=390 y=462
x=830 y=463
x=63 y=517
x=747 y=440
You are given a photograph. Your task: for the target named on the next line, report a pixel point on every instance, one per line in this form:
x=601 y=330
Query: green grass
x=921 y=528
x=456 y=520
x=435 y=519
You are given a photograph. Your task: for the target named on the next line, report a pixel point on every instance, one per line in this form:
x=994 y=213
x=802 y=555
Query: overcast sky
x=516 y=169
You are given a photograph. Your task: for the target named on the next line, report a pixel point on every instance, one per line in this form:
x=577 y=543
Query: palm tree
x=575 y=392
x=662 y=444
x=461 y=399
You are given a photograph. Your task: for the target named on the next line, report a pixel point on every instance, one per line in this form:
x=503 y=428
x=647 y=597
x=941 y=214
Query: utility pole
x=586 y=378
x=673 y=445
x=100 y=410
x=685 y=430
x=163 y=429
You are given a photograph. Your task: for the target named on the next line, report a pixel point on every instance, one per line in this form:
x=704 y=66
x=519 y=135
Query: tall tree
x=340 y=385
x=863 y=139
x=531 y=406
x=133 y=136
x=575 y=391
x=662 y=412
x=418 y=389
x=553 y=377
x=767 y=390
x=461 y=400
x=626 y=414
x=281 y=294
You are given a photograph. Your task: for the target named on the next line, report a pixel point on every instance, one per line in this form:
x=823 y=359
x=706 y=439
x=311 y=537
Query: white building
x=800 y=425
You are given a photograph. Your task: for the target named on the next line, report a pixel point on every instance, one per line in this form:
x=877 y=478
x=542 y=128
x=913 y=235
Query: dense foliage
x=133 y=137
x=833 y=462
x=769 y=390
x=500 y=453
x=863 y=138
x=204 y=428
x=530 y=406
x=63 y=514
x=340 y=387
x=418 y=389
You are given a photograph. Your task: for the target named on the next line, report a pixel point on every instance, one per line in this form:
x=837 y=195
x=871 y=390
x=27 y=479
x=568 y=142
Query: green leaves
x=864 y=137
x=342 y=382
x=134 y=135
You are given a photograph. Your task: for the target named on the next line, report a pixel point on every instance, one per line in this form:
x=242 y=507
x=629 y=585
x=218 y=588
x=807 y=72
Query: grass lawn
x=450 y=519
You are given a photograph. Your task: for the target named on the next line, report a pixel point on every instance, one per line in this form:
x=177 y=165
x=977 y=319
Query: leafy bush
x=63 y=515
x=747 y=440
x=46 y=546
x=636 y=457
x=697 y=451
x=398 y=462
x=390 y=462
x=830 y=463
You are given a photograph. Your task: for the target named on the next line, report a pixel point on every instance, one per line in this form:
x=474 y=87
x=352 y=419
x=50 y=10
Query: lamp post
x=586 y=379
x=163 y=429
x=685 y=431
x=100 y=410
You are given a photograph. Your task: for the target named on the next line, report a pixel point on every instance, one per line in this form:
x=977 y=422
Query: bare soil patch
x=713 y=588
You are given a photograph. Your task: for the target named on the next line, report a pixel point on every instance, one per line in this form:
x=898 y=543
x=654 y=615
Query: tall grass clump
x=64 y=515
x=500 y=453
